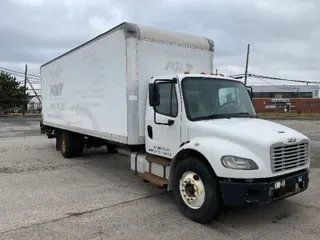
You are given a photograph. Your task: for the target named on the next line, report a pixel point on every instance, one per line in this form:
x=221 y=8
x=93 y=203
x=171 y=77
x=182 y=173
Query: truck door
x=163 y=121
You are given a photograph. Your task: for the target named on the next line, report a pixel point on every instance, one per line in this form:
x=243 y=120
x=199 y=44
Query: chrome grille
x=284 y=157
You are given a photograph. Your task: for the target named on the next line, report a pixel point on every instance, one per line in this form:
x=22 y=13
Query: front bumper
x=237 y=192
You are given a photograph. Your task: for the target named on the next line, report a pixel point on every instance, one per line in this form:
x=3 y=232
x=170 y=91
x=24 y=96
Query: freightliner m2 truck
x=153 y=93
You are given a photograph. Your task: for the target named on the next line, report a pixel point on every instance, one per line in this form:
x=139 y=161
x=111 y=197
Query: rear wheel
x=71 y=144
x=195 y=190
x=78 y=145
x=58 y=140
x=66 y=144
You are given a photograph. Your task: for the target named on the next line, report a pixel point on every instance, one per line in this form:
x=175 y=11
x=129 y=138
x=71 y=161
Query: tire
x=66 y=144
x=78 y=144
x=212 y=201
x=58 y=141
x=111 y=148
x=71 y=144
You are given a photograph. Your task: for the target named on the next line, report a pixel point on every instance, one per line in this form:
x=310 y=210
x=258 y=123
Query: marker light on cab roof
x=186 y=72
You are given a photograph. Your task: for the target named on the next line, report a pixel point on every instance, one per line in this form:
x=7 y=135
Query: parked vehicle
x=153 y=93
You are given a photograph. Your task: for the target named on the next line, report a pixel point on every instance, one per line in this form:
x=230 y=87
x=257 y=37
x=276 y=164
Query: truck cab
x=221 y=153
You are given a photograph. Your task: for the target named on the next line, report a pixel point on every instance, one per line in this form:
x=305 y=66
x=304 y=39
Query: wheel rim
x=192 y=190
x=63 y=144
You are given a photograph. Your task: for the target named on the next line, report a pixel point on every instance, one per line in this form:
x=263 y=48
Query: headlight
x=239 y=163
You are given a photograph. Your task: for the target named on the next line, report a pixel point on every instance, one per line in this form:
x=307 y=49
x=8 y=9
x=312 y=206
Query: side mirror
x=154 y=95
x=249 y=89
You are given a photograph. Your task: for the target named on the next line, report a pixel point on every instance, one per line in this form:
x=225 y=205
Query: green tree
x=12 y=94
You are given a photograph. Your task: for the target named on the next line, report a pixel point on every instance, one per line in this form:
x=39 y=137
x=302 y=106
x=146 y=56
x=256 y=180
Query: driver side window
x=168 y=100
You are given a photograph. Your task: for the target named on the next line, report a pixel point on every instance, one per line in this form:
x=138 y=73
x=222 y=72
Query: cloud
x=284 y=35
x=28 y=3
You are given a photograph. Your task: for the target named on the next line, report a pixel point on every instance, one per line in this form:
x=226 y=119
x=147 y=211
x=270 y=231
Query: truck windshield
x=208 y=98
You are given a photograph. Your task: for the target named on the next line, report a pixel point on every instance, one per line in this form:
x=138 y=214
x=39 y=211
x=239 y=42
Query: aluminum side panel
x=86 y=90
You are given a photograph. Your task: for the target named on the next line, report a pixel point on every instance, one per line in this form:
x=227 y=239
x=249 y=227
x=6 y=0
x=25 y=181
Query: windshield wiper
x=212 y=116
x=226 y=115
x=242 y=114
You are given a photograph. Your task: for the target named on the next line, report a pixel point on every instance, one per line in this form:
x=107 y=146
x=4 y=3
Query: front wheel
x=195 y=190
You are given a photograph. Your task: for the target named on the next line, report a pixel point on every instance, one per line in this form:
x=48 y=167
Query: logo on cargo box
x=178 y=66
x=56 y=89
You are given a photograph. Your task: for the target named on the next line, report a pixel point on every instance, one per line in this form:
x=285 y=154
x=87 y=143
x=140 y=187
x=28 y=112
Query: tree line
x=12 y=94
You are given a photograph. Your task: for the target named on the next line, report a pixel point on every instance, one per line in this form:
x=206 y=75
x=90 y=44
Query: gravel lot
x=43 y=196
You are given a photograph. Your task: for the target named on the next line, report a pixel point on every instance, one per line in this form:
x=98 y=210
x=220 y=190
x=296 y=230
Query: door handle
x=150 y=132
x=170 y=122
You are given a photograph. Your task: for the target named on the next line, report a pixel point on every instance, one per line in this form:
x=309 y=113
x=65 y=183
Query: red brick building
x=289 y=104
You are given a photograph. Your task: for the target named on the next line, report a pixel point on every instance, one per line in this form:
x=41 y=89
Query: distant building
x=285 y=91
x=34 y=105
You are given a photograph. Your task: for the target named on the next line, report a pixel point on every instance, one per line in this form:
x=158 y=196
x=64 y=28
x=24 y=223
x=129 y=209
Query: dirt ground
x=44 y=196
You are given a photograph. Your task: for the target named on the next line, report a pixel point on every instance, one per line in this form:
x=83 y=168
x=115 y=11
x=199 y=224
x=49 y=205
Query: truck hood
x=253 y=131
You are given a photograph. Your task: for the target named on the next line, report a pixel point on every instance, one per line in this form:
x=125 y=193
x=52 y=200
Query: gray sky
x=284 y=35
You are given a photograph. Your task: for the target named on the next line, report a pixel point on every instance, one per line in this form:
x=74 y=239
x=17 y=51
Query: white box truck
x=196 y=133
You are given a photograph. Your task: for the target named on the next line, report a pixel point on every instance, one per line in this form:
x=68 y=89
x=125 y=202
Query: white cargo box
x=100 y=88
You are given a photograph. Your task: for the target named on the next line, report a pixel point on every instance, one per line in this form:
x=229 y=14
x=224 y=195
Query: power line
x=280 y=87
x=19 y=73
x=34 y=80
x=289 y=69
x=239 y=76
x=25 y=80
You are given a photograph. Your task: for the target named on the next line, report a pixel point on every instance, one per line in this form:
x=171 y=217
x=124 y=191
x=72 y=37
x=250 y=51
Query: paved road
x=43 y=196
x=19 y=127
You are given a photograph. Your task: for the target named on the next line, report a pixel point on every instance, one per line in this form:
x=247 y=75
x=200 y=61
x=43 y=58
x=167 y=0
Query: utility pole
x=216 y=71
x=25 y=90
x=247 y=63
x=34 y=91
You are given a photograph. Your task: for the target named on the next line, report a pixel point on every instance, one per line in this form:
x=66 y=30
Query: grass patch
x=289 y=116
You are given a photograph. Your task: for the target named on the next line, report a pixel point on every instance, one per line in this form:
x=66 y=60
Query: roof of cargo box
x=151 y=34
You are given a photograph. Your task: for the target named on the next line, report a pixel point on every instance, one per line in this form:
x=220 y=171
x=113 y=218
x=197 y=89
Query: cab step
x=159 y=160
x=149 y=177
